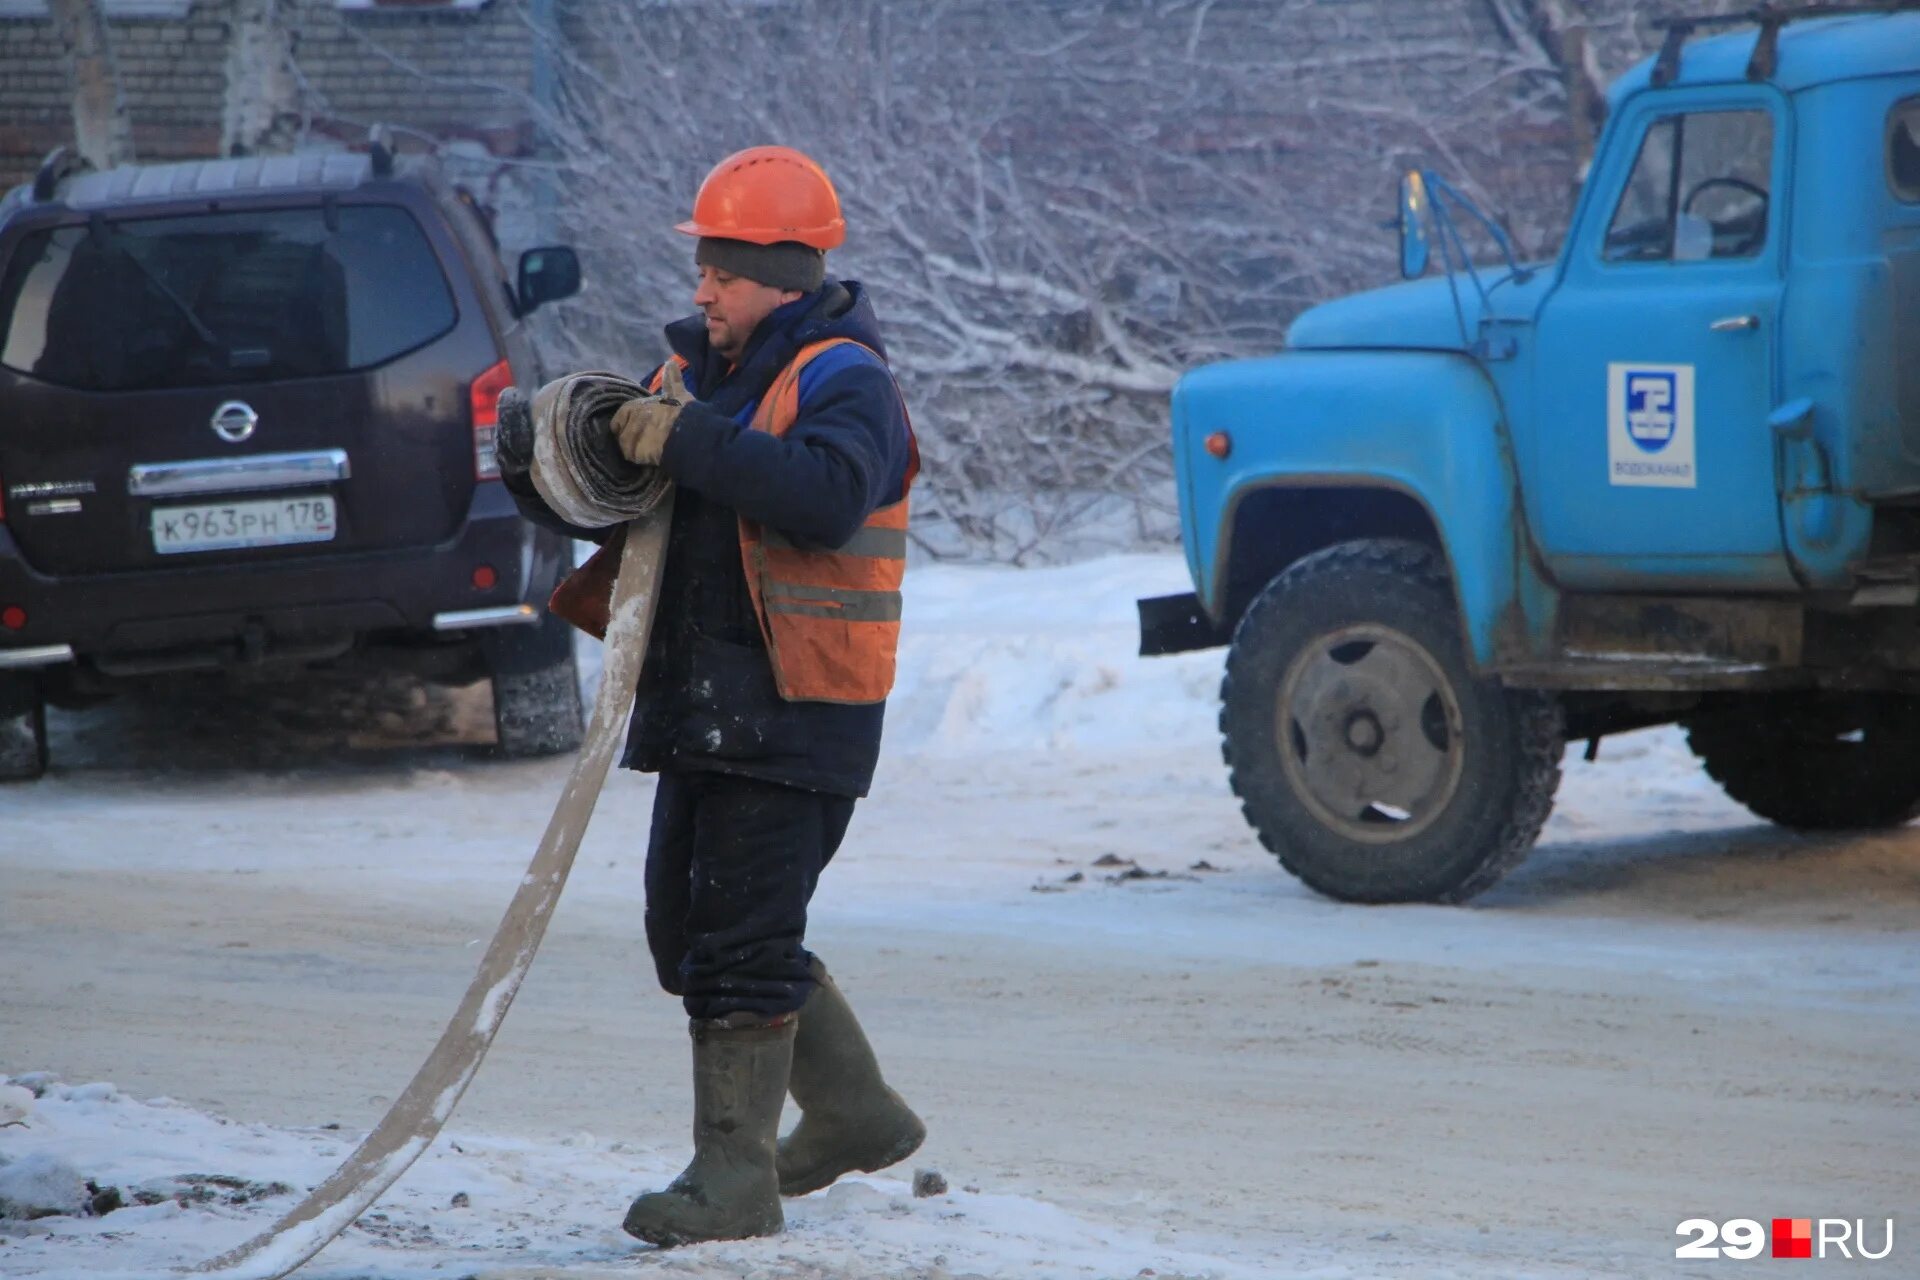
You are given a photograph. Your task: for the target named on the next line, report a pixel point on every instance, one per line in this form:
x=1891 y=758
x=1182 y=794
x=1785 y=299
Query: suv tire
x=536 y=690
x=23 y=728
x=1366 y=754
x=1813 y=762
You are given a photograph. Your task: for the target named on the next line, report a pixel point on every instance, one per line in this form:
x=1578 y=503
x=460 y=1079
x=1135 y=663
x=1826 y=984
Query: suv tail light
x=485 y=398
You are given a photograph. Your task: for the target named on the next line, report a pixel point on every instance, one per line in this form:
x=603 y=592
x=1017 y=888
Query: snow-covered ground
x=1140 y=1047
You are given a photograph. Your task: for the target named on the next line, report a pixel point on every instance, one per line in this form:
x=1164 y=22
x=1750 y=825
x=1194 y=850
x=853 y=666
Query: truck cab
x=1673 y=475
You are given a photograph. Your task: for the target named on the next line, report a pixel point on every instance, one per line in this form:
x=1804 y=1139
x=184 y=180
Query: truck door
x=1652 y=460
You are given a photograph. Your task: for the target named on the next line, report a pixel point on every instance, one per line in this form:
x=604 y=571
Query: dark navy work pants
x=731 y=865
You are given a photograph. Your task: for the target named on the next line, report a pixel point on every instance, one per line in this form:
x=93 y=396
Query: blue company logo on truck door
x=1650 y=416
x=1650 y=425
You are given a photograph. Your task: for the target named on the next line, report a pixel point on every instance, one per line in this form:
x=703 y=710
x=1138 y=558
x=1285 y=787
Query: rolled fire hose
x=577 y=464
x=569 y=430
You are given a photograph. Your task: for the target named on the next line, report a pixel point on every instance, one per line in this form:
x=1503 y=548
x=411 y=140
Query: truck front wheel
x=1366 y=754
x=1816 y=762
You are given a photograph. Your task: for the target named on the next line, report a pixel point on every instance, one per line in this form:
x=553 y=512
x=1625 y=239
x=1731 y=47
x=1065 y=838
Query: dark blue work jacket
x=707 y=700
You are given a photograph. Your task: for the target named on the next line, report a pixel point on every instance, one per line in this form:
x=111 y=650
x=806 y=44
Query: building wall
x=460 y=73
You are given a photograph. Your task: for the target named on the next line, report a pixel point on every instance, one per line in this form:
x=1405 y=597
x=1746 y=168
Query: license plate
x=222 y=526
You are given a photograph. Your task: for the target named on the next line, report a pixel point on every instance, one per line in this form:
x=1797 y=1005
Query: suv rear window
x=219 y=298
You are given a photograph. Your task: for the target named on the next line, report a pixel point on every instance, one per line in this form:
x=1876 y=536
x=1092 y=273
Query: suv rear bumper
x=46 y=655
x=287 y=606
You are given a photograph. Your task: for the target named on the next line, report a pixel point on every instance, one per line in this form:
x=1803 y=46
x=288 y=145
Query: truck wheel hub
x=1364 y=734
x=1369 y=731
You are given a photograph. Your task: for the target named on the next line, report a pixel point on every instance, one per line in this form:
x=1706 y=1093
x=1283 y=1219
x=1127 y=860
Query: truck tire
x=23 y=729
x=1816 y=762
x=1366 y=754
x=536 y=690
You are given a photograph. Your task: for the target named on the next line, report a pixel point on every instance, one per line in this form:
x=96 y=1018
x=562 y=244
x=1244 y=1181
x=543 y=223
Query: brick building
x=457 y=69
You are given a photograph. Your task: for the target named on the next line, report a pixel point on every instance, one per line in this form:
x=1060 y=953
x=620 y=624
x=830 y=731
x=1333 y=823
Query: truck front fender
x=1343 y=425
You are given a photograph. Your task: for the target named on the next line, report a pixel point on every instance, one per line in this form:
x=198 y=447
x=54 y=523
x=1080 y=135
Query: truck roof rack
x=1770 y=18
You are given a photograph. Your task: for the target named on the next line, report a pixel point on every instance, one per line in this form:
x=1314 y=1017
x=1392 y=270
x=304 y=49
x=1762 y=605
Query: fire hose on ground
x=578 y=470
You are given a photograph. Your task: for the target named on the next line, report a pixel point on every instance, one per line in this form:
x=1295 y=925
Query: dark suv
x=247 y=411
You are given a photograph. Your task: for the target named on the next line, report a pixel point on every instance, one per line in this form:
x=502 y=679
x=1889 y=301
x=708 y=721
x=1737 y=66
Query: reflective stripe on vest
x=831 y=618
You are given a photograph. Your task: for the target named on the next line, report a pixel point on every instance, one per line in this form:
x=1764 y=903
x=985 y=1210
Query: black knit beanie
x=787 y=265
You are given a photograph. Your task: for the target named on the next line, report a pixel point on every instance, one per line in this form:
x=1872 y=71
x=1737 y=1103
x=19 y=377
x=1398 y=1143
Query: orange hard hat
x=766 y=195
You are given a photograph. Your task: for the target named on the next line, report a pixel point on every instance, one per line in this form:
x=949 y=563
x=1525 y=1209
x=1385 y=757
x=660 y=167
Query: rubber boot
x=730 y=1191
x=850 y=1121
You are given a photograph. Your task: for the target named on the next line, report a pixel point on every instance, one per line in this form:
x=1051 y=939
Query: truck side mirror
x=1413 y=232
x=547 y=275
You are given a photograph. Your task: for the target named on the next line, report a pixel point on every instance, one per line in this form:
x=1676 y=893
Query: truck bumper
x=1176 y=624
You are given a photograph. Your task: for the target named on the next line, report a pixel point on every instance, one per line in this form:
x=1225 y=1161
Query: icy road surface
x=252 y=910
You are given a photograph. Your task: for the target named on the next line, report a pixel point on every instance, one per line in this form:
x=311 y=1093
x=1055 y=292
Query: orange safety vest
x=831 y=619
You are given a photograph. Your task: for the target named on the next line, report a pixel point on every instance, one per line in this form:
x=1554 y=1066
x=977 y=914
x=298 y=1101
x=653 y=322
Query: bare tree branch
x=103 y=132
x=263 y=109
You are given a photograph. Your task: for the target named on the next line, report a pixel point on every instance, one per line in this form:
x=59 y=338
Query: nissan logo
x=234 y=421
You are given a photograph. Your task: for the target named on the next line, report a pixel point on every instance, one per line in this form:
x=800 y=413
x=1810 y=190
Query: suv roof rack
x=1769 y=18
x=380 y=150
x=80 y=187
x=61 y=162
x=380 y=160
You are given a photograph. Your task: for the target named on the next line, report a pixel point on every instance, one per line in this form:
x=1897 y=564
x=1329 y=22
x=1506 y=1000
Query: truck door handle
x=1735 y=324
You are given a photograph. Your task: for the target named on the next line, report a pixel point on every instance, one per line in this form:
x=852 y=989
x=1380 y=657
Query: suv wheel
x=1815 y=762
x=536 y=690
x=1367 y=755
x=23 y=728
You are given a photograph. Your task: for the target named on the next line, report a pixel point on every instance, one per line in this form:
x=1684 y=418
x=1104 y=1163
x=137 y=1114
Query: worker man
x=761 y=697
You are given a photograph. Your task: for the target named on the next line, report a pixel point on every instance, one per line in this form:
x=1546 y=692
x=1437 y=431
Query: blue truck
x=1672 y=476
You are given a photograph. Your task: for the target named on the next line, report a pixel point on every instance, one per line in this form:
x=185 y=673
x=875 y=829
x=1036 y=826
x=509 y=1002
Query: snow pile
x=482 y=1207
x=1044 y=659
x=41 y=1185
x=16 y=1104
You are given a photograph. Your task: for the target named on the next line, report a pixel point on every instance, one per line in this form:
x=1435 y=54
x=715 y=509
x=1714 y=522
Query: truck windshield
x=219 y=298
